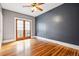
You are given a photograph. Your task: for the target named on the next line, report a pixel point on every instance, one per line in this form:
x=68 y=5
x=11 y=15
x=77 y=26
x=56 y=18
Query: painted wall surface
x=1 y=30
x=61 y=23
x=9 y=24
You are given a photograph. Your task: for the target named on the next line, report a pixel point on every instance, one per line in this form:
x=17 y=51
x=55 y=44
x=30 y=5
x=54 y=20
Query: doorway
x=23 y=29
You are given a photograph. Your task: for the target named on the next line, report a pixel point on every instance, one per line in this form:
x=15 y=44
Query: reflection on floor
x=34 y=47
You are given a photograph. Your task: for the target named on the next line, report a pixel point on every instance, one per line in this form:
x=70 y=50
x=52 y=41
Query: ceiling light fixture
x=35 y=6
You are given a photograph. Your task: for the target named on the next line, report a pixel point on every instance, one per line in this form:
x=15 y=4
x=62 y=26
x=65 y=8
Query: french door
x=23 y=29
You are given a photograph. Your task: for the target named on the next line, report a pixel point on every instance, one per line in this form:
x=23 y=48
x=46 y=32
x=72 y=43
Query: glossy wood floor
x=34 y=47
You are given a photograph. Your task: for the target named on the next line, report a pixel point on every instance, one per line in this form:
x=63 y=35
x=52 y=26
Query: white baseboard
x=59 y=42
x=10 y=40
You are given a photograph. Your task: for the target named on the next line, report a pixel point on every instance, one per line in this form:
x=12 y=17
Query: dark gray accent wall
x=61 y=23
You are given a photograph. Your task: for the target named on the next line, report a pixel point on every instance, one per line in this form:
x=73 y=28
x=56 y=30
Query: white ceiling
x=18 y=7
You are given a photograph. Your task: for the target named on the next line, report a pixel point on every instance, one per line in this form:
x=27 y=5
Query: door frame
x=15 y=24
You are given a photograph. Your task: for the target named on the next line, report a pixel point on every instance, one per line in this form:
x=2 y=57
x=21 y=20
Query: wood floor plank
x=36 y=47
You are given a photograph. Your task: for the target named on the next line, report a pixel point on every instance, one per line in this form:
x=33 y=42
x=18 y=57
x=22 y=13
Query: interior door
x=27 y=29
x=23 y=29
x=19 y=29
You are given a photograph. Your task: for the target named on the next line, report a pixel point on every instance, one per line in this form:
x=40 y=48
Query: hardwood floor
x=34 y=47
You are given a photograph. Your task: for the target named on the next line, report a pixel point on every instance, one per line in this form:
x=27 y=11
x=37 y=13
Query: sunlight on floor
x=23 y=46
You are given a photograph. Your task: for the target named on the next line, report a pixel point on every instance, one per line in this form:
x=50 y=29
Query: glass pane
x=20 y=28
x=27 y=28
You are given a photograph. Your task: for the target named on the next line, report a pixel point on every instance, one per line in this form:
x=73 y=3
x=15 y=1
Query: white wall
x=9 y=24
x=1 y=30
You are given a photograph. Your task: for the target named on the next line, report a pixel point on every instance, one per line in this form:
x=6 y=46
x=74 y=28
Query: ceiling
x=18 y=7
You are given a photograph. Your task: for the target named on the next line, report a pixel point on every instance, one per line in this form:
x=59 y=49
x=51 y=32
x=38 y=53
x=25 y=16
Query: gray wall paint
x=9 y=24
x=65 y=30
x=1 y=30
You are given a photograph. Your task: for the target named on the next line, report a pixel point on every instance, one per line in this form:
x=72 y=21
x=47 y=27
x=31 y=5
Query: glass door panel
x=20 y=29
x=27 y=29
